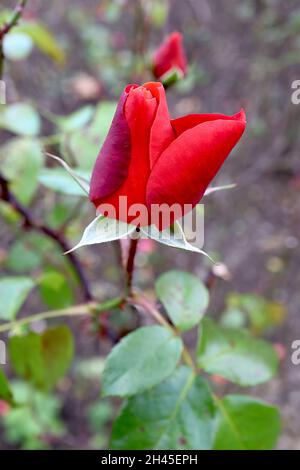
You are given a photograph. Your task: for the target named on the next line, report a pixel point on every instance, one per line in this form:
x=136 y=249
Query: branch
x=83 y=309
x=17 y=13
x=140 y=301
x=67 y=312
x=31 y=224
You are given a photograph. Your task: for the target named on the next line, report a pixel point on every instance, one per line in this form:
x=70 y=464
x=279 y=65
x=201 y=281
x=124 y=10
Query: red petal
x=140 y=109
x=111 y=167
x=170 y=54
x=140 y=112
x=187 y=166
x=184 y=123
x=162 y=133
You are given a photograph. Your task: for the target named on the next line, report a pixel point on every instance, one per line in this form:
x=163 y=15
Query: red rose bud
x=149 y=160
x=169 y=60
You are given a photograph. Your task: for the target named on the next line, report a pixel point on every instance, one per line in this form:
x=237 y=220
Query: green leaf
x=103 y=229
x=245 y=423
x=42 y=359
x=235 y=354
x=4 y=16
x=17 y=46
x=176 y=414
x=261 y=313
x=13 y=292
x=85 y=144
x=113 y=12
x=8 y=213
x=20 y=118
x=22 y=258
x=29 y=251
x=21 y=161
x=37 y=415
x=89 y=369
x=233 y=318
x=184 y=297
x=60 y=181
x=55 y=291
x=5 y=391
x=141 y=360
x=60 y=213
x=196 y=75
x=76 y=120
x=43 y=39
x=102 y=120
x=99 y=414
x=158 y=12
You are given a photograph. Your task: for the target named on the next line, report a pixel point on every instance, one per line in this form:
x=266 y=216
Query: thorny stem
x=130 y=263
x=31 y=224
x=18 y=12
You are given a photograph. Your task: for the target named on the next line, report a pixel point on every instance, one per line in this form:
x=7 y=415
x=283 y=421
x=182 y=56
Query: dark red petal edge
x=111 y=167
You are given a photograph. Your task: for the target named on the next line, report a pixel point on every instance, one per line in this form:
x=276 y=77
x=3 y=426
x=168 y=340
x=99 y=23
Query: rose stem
x=130 y=263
